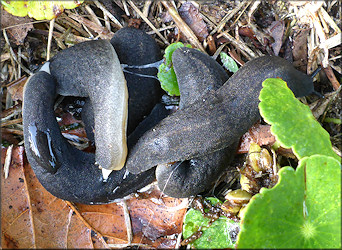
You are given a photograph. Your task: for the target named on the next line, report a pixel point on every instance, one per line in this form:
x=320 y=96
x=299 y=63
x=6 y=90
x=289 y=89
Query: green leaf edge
x=166 y=74
x=284 y=173
x=268 y=86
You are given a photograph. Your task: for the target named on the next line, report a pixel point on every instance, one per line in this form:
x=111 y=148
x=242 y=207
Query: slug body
x=197 y=74
x=217 y=120
x=135 y=47
x=92 y=70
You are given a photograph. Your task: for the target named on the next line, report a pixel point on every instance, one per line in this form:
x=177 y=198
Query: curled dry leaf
x=300 y=49
x=258 y=133
x=192 y=17
x=277 y=32
x=33 y=218
x=16 y=88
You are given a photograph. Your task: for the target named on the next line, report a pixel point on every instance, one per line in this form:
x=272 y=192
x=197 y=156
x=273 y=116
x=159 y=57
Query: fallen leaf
x=277 y=32
x=39 y=10
x=16 y=217
x=15 y=88
x=21 y=26
x=191 y=16
x=258 y=133
x=300 y=49
x=33 y=218
x=70 y=125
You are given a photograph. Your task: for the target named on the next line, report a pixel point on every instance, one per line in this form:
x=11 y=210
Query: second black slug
x=197 y=74
x=218 y=119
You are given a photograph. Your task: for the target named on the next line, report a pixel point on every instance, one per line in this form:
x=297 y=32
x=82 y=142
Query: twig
x=329 y=20
x=11 y=131
x=52 y=22
x=13 y=54
x=162 y=29
x=179 y=240
x=5 y=56
x=147 y=21
x=252 y=10
x=8 y=160
x=107 y=24
x=111 y=17
x=102 y=31
x=125 y=7
x=72 y=23
x=246 y=51
x=218 y=51
x=19 y=60
x=8 y=113
x=122 y=246
x=226 y=18
x=11 y=122
x=92 y=15
x=183 y=27
x=332 y=78
x=146 y=7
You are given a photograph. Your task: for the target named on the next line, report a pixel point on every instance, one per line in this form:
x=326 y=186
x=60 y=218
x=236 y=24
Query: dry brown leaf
x=16 y=88
x=33 y=218
x=300 y=49
x=277 y=32
x=192 y=17
x=22 y=25
x=258 y=133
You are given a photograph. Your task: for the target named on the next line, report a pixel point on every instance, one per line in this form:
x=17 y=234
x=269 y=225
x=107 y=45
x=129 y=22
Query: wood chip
x=52 y=22
x=8 y=160
x=127 y=222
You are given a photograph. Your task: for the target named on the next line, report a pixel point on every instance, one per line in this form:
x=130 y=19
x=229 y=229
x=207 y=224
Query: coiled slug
x=90 y=69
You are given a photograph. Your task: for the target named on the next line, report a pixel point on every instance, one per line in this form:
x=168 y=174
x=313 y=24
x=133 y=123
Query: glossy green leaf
x=218 y=235
x=292 y=121
x=39 y=10
x=228 y=62
x=166 y=73
x=302 y=211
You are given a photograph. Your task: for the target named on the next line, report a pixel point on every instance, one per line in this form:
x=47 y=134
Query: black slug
x=216 y=120
x=89 y=69
x=197 y=74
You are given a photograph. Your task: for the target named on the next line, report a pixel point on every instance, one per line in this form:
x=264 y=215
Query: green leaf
x=302 y=211
x=168 y=80
x=292 y=121
x=166 y=73
x=39 y=10
x=228 y=62
x=216 y=236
